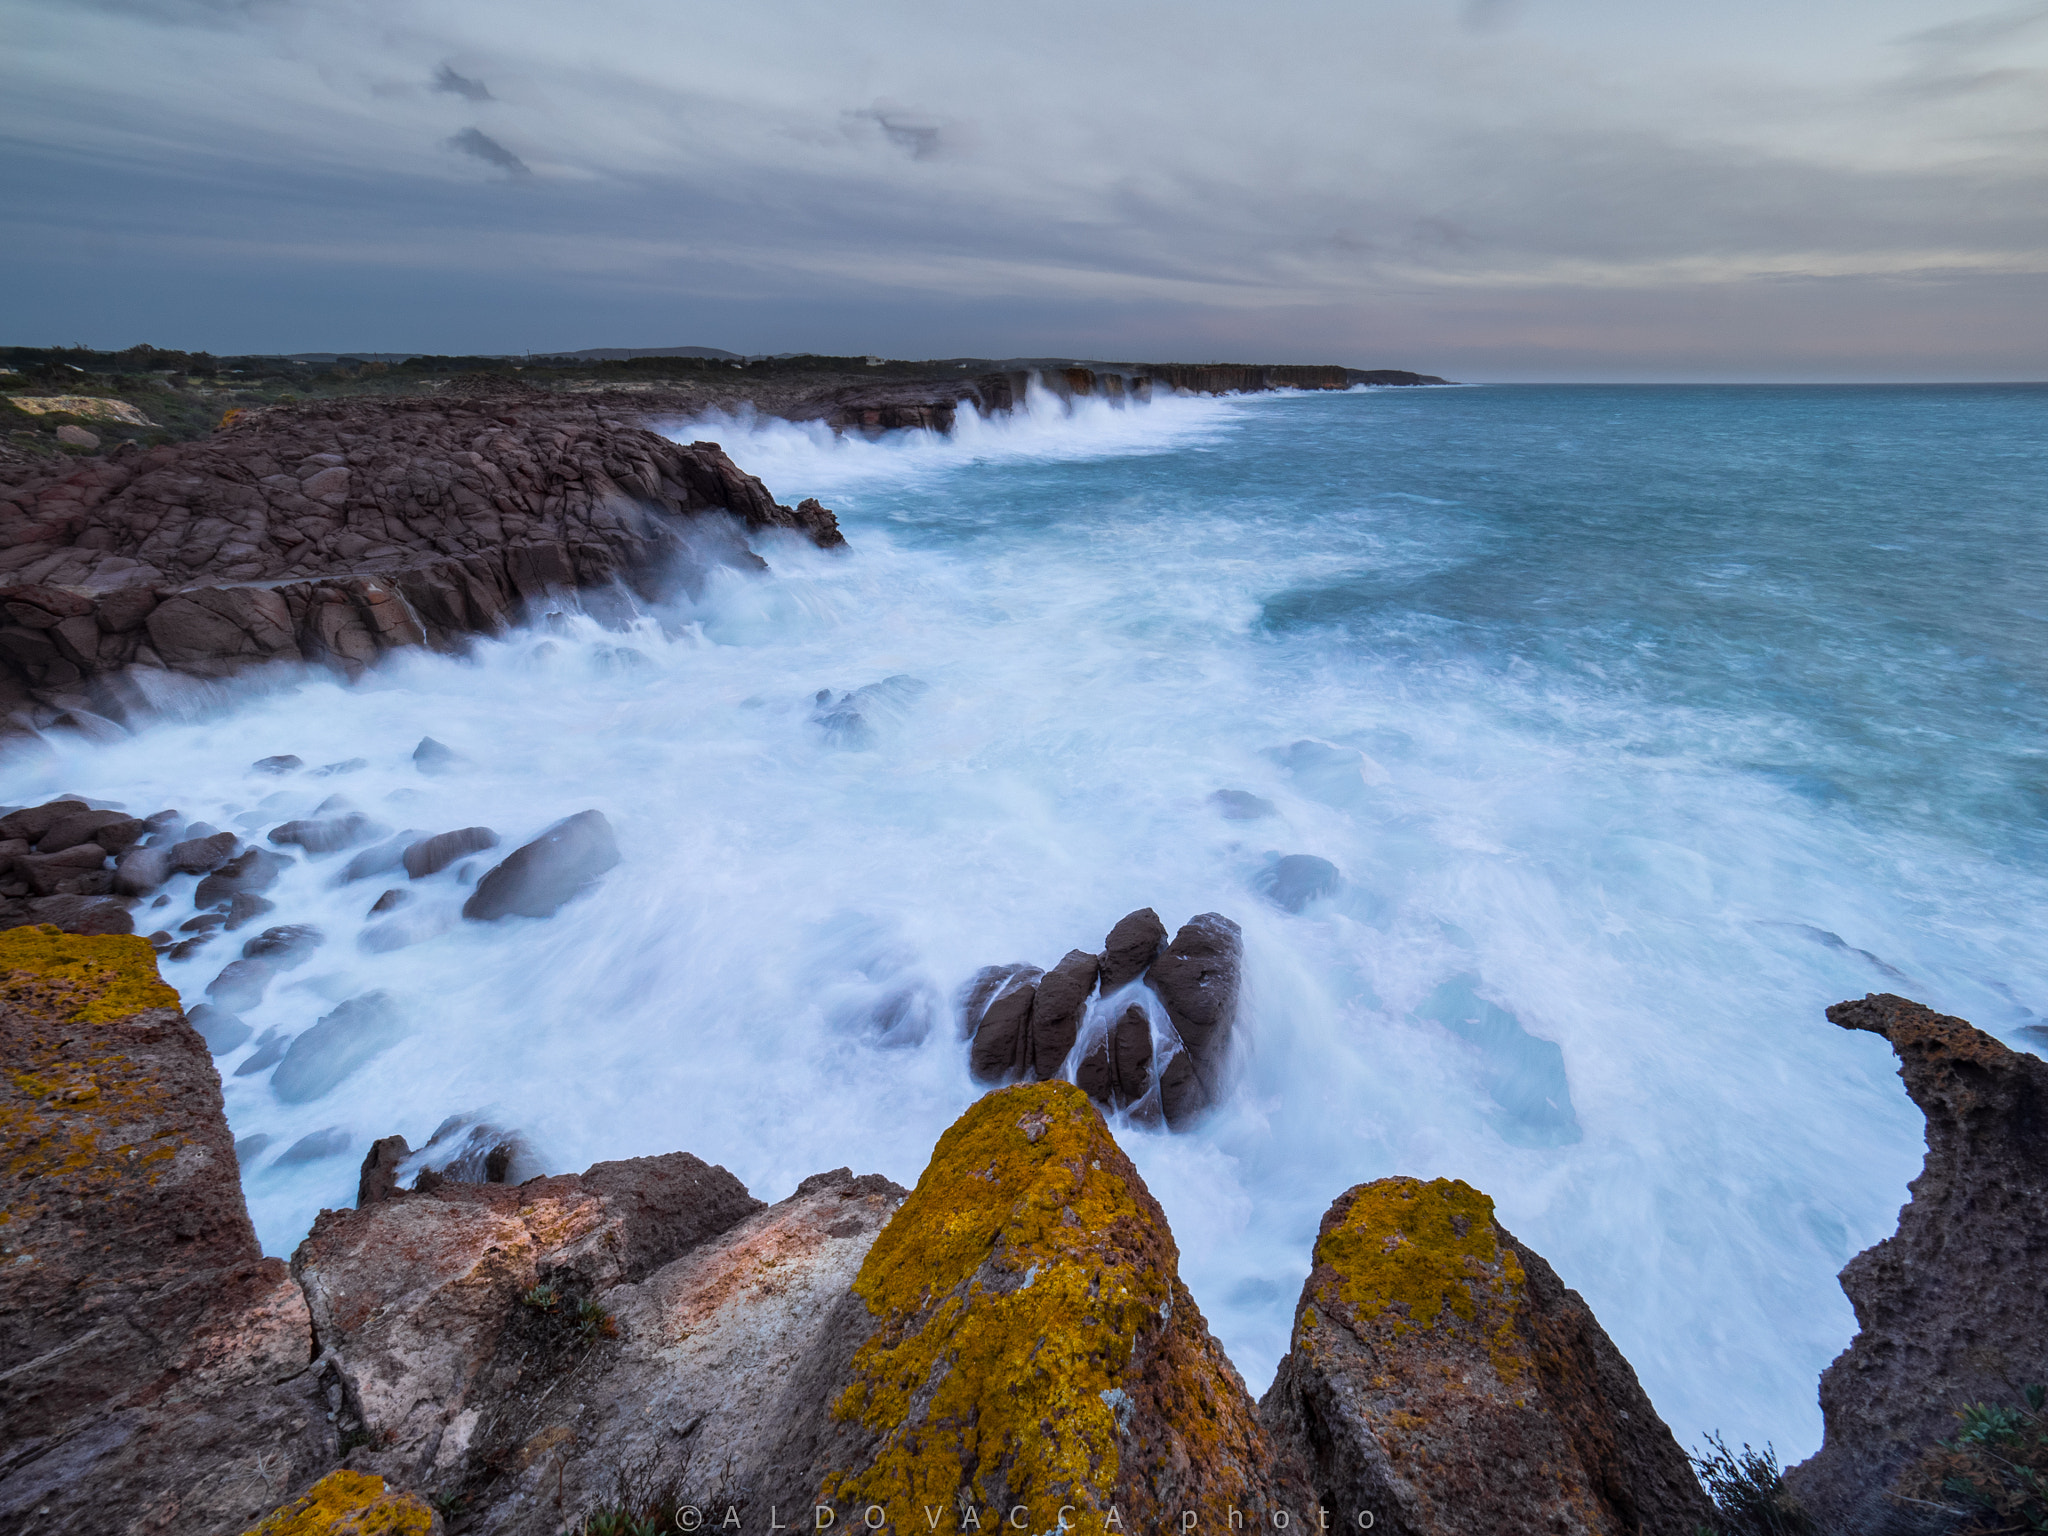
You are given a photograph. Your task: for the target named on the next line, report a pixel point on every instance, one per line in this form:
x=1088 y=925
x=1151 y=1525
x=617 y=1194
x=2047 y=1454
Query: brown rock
x=1133 y=944
x=155 y=1359
x=1443 y=1378
x=996 y=1017
x=1057 y=1010
x=1019 y=1337
x=1198 y=977
x=1951 y=1309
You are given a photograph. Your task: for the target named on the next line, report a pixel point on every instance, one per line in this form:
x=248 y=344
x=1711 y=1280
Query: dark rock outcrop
x=335 y=531
x=539 y=877
x=1022 y=1023
x=1951 y=1310
x=431 y=855
x=1443 y=1378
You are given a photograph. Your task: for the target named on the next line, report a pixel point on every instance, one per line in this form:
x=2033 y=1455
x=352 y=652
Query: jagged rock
x=1197 y=977
x=413 y=1294
x=1950 y=1310
x=1444 y=1379
x=474 y=1152
x=379 y=1179
x=1057 y=1010
x=1133 y=944
x=431 y=855
x=391 y=900
x=995 y=1015
x=154 y=1356
x=1294 y=881
x=356 y=1031
x=540 y=877
x=1019 y=1336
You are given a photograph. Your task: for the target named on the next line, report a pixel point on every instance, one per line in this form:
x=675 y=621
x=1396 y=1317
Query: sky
x=1483 y=189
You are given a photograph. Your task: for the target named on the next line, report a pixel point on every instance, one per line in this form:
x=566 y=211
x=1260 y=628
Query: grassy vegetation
x=1748 y=1489
x=185 y=394
x=1992 y=1476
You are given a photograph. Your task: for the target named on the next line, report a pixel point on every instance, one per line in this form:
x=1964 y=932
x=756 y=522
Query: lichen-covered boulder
x=1951 y=1309
x=349 y=1503
x=1029 y=1355
x=1444 y=1380
x=154 y=1358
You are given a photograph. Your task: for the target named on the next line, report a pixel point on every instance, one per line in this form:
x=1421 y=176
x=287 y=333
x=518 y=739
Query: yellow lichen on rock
x=1417 y=1246
x=92 y=978
x=1010 y=1290
x=350 y=1504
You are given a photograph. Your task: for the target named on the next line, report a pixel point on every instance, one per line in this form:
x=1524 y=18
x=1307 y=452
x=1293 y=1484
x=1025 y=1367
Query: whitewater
x=1639 y=725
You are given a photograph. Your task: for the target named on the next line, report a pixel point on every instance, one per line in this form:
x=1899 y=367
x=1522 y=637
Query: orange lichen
x=102 y=977
x=1009 y=1310
x=1421 y=1256
x=350 y=1504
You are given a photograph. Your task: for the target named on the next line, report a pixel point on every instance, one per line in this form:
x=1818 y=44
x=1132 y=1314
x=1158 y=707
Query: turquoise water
x=1637 y=725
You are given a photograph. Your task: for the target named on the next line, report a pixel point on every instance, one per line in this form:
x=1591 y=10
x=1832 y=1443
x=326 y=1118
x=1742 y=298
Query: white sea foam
x=1091 y=681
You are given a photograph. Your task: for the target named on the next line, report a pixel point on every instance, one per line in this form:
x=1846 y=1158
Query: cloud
x=474 y=141
x=460 y=85
x=1078 y=170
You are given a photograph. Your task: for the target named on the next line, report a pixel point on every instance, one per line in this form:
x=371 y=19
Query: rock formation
x=1951 y=1310
x=1024 y=1023
x=1442 y=1377
x=159 y=1372
x=337 y=530
x=1007 y=1346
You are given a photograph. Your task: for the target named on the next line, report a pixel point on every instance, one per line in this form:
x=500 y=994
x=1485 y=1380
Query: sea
x=1631 y=727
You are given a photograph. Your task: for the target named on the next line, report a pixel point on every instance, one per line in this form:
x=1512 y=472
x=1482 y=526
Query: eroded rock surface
x=157 y=1367
x=1951 y=1310
x=1443 y=1378
x=1019 y=1336
x=337 y=530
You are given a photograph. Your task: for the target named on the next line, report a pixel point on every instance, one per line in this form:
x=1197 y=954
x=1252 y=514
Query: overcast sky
x=1489 y=189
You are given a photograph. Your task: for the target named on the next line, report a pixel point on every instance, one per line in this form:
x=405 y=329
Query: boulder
x=1294 y=881
x=1198 y=977
x=328 y=834
x=1442 y=1378
x=1057 y=1011
x=995 y=1015
x=1018 y=1343
x=431 y=855
x=387 y=855
x=241 y=984
x=317 y=1147
x=221 y=1030
x=344 y=1040
x=537 y=879
x=283 y=763
x=1242 y=805
x=111 y=831
x=1131 y=947
x=285 y=947
x=379 y=1179
x=435 y=758
x=253 y=870
x=1950 y=1309
x=1117 y=1069
x=31 y=822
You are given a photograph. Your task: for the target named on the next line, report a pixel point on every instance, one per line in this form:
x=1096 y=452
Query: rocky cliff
x=1951 y=1311
x=333 y=532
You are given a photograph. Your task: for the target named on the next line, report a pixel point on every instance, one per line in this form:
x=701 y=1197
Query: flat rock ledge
x=336 y=531
x=1008 y=1345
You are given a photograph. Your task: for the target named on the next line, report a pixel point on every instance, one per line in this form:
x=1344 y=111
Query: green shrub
x=1993 y=1474
x=1748 y=1489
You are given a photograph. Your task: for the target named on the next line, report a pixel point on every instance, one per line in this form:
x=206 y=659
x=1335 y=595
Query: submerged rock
x=362 y=1028
x=539 y=878
x=1242 y=805
x=1524 y=1073
x=1443 y=1378
x=431 y=855
x=1950 y=1309
x=1294 y=881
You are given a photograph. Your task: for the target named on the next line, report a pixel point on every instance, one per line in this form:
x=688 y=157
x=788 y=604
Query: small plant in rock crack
x=1993 y=1473
x=542 y=1298
x=593 y=1322
x=1748 y=1489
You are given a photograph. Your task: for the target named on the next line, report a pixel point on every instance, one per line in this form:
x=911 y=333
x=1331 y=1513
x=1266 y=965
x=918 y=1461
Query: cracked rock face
x=334 y=531
x=1443 y=1378
x=157 y=1365
x=1952 y=1309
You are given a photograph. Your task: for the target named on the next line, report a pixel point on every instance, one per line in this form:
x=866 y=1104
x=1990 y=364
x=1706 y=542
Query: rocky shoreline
x=1008 y=1344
